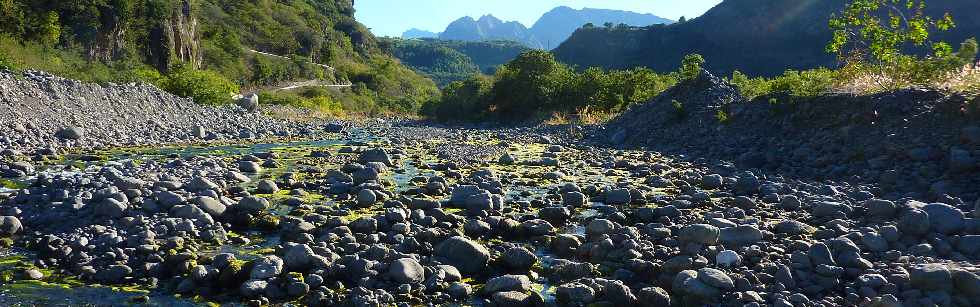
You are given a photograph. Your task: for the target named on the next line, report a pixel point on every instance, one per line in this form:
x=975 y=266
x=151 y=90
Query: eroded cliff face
x=176 y=40
x=110 y=41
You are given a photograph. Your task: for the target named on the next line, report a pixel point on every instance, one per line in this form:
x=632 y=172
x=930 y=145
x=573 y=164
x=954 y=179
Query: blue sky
x=392 y=17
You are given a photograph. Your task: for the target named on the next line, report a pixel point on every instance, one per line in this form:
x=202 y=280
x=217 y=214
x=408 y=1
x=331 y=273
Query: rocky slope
x=45 y=111
x=912 y=143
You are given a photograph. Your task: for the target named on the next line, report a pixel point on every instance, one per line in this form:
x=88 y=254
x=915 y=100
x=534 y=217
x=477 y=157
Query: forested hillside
x=210 y=40
x=756 y=37
x=447 y=61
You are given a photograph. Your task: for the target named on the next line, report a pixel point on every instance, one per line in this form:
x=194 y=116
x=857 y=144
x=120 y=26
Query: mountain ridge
x=551 y=29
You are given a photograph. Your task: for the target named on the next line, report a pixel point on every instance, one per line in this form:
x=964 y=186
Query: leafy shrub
x=805 y=83
x=205 y=87
x=6 y=62
x=313 y=98
x=462 y=100
x=890 y=40
x=722 y=117
x=691 y=66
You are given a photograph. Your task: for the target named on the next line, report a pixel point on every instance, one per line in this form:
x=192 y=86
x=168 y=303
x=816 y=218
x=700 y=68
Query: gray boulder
x=376 y=155
x=945 y=219
x=618 y=197
x=933 y=276
x=249 y=167
x=699 y=233
x=406 y=271
x=712 y=181
x=716 y=278
x=114 y=274
x=518 y=283
x=519 y=258
x=252 y=204
x=109 y=207
x=210 y=205
x=741 y=235
x=70 y=133
x=267 y=187
x=266 y=267
x=200 y=184
x=10 y=225
x=914 y=222
x=250 y=102
x=466 y=255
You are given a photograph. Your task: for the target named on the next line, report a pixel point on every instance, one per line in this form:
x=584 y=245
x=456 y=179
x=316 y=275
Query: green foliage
x=462 y=100
x=885 y=27
x=205 y=87
x=529 y=84
x=5 y=62
x=535 y=83
x=49 y=28
x=22 y=54
x=691 y=66
x=435 y=60
x=313 y=98
x=722 y=117
x=805 y=83
x=889 y=39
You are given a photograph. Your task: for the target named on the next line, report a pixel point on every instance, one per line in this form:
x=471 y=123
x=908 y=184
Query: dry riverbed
x=422 y=215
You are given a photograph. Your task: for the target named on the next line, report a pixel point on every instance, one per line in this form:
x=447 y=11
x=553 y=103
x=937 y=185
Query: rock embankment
x=911 y=143
x=44 y=111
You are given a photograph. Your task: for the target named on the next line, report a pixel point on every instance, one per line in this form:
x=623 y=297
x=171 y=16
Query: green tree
x=50 y=29
x=530 y=83
x=895 y=37
x=691 y=66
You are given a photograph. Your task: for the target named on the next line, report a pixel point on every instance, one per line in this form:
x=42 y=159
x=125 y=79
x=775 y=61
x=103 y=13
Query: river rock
x=699 y=233
x=466 y=255
x=518 y=283
x=741 y=235
x=70 y=133
x=944 y=218
x=931 y=276
x=406 y=271
x=9 y=226
x=914 y=222
x=266 y=267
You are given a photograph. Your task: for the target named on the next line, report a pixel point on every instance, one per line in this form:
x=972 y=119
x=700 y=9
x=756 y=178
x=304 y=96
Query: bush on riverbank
x=535 y=85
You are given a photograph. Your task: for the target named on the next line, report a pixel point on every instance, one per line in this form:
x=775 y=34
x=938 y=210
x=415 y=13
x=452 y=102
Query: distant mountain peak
x=418 y=33
x=490 y=17
x=557 y=25
x=553 y=28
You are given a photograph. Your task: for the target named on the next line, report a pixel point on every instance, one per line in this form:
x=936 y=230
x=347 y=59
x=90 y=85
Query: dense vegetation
x=448 y=61
x=535 y=84
x=127 y=40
